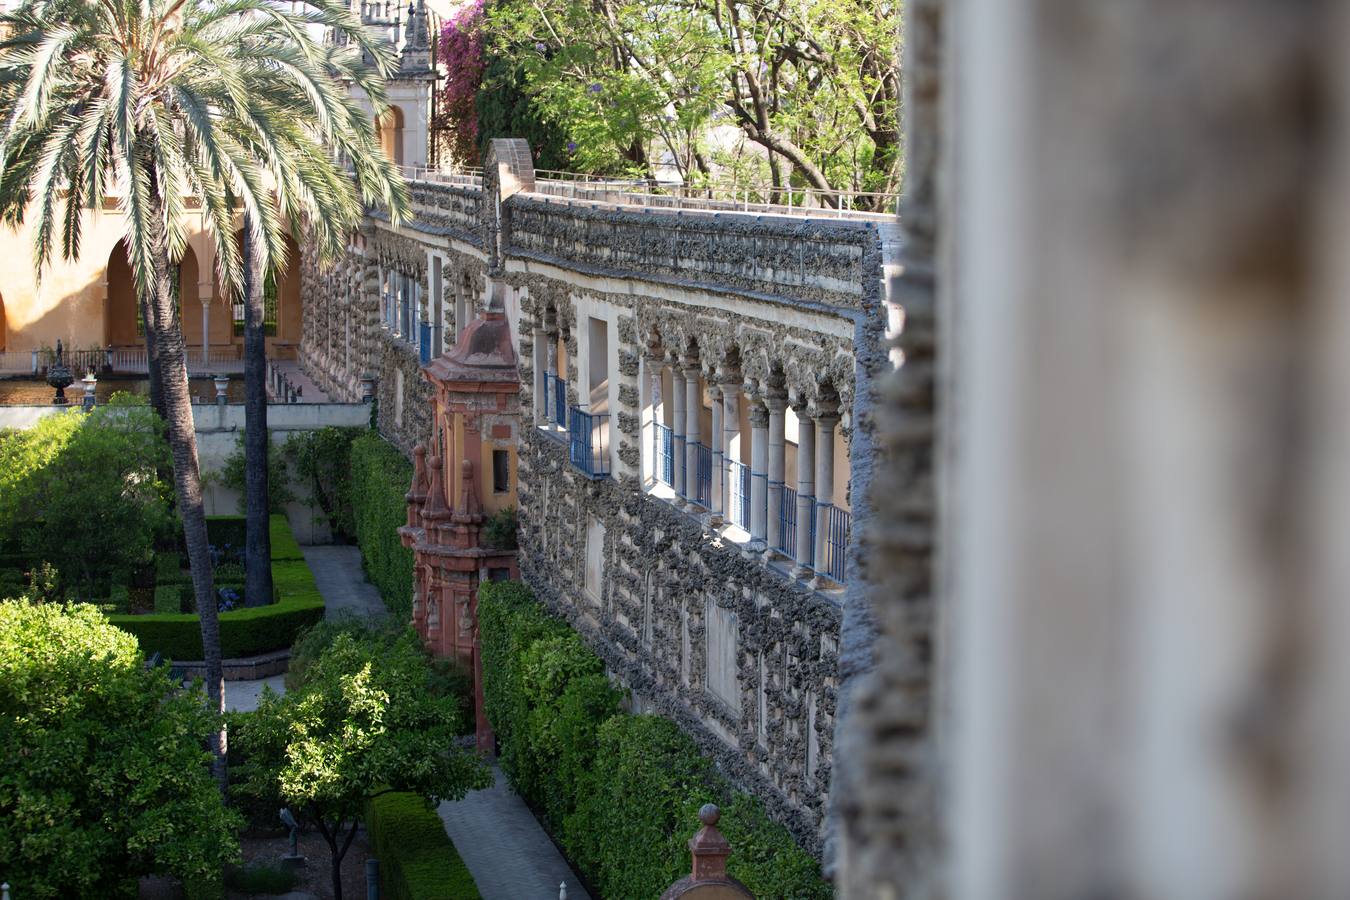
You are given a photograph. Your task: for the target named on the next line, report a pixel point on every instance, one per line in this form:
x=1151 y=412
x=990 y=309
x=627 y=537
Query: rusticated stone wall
x=781 y=310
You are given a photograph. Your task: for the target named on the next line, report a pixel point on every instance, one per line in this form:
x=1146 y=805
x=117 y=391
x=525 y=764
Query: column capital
x=776 y=402
x=759 y=413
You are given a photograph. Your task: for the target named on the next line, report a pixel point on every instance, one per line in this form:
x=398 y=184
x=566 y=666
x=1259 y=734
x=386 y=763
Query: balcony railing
x=663 y=452
x=739 y=513
x=837 y=524
x=588 y=444
x=703 y=476
x=424 y=342
x=555 y=400
x=787 y=524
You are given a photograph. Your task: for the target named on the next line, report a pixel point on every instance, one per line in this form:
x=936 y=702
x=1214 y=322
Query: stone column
x=731 y=432
x=677 y=426
x=777 y=404
x=715 y=507
x=806 y=492
x=693 y=406
x=539 y=356
x=206 y=327
x=825 y=423
x=759 y=467
x=651 y=367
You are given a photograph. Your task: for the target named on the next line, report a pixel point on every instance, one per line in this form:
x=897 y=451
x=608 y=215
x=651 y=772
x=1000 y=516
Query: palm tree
x=257 y=500
x=232 y=102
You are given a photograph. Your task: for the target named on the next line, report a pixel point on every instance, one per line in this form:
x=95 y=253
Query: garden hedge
x=243 y=632
x=417 y=859
x=380 y=478
x=620 y=793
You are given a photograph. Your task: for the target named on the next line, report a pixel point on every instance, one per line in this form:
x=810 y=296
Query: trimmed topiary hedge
x=243 y=632
x=379 y=481
x=620 y=793
x=417 y=859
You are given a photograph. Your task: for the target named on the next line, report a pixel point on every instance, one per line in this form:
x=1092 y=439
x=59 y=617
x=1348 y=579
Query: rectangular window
x=501 y=471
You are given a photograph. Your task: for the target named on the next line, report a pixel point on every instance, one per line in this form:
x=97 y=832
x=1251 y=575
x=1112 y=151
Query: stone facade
x=760 y=321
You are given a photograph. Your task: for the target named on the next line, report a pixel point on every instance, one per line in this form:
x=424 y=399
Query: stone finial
x=709 y=879
x=709 y=848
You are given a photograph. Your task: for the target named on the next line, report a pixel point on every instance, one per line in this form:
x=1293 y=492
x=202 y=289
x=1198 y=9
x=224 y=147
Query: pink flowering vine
x=462 y=55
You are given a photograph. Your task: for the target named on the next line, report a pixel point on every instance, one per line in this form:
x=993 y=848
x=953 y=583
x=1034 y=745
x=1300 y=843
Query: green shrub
x=620 y=793
x=260 y=878
x=499 y=531
x=168 y=598
x=278 y=475
x=322 y=463
x=104 y=772
x=243 y=632
x=232 y=530
x=417 y=859
x=168 y=568
x=380 y=478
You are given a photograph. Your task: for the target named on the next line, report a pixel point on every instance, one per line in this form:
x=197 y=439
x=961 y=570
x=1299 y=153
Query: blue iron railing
x=663 y=452
x=739 y=514
x=703 y=476
x=837 y=523
x=588 y=446
x=424 y=342
x=787 y=524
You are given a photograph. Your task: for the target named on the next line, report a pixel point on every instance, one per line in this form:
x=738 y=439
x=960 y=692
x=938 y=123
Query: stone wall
x=776 y=310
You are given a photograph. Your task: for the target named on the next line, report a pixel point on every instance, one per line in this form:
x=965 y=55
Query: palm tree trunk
x=258 y=544
x=152 y=358
x=182 y=435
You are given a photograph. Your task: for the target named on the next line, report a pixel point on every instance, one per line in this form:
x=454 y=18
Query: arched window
x=389 y=126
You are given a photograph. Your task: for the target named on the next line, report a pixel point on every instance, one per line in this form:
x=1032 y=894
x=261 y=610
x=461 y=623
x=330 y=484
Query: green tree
x=812 y=85
x=363 y=722
x=234 y=103
x=82 y=492
x=103 y=777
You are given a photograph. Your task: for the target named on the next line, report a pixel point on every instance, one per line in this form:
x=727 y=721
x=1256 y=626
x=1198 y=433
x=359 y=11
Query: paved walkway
x=309 y=391
x=506 y=850
x=338 y=575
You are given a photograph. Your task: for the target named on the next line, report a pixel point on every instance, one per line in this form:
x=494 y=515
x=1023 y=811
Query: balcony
x=739 y=512
x=588 y=443
x=663 y=451
x=703 y=476
x=837 y=524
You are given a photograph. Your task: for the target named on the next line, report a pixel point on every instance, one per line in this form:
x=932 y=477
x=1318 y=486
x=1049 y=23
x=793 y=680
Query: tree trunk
x=152 y=359
x=258 y=544
x=182 y=436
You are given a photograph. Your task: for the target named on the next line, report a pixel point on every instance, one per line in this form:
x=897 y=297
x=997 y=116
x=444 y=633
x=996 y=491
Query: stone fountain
x=59 y=377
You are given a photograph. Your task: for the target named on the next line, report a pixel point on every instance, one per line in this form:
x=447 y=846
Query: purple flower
x=541 y=46
x=595 y=88
x=571 y=146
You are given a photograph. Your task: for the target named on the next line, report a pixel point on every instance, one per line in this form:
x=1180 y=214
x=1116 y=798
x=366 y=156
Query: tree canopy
x=811 y=89
x=104 y=776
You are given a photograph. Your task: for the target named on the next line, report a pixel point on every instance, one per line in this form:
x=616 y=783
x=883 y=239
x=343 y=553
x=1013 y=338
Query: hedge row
x=243 y=632
x=620 y=793
x=380 y=478
x=417 y=859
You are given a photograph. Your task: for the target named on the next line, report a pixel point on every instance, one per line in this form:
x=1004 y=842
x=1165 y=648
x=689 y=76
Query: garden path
x=507 y=852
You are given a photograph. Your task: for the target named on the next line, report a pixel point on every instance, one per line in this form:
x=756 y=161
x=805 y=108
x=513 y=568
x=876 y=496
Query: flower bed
x=243 y=632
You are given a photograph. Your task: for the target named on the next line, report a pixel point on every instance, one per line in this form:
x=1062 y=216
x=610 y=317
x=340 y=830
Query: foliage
x=504 y=109
x=83 y=492
x=380 y=477
x=261 y=878
x=499 y=531
x=362 y=723
x=279 y=491
x=417 y=859
x=315 y=640
x=462 y=53
x=321 y=460
x=814 y=85
x=243 y=632
x=620 y=793
x=104 y=777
